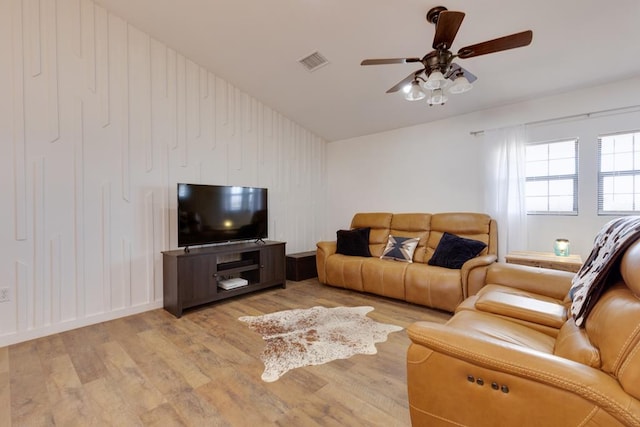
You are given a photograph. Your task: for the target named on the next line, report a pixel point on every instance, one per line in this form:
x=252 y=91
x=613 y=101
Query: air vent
x=314 y=61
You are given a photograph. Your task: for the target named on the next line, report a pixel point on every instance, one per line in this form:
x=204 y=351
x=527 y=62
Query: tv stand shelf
x=235 y=265
x=191 y=278
x=229 y=271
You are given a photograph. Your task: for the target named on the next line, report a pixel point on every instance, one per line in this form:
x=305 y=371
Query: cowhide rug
x=314 y=336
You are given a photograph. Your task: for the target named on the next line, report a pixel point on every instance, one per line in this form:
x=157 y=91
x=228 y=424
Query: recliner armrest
x=530 y=365
x=472 y=282
x=325 y=249
x=542 y=281
x=523 y=308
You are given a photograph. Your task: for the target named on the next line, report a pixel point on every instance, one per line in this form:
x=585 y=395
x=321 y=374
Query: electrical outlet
x=4 y=295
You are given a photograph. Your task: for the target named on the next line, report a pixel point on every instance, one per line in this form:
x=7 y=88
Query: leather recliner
x=501 y=364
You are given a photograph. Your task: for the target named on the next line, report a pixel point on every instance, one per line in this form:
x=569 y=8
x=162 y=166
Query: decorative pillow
x=353 y=242
x=453 y=251
x=400 y=248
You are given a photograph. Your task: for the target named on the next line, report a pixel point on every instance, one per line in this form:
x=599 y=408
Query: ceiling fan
x=438 y=70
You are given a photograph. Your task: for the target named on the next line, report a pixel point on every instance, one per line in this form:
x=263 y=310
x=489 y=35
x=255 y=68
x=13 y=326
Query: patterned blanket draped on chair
x=587 y=285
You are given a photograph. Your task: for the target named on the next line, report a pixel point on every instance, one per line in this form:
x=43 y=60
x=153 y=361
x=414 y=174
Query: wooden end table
x=301 y=266
x=570 y=263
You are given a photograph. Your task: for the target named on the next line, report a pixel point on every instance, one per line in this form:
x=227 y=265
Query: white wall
x=438 y=167
x=412 y=169
x=97 y=124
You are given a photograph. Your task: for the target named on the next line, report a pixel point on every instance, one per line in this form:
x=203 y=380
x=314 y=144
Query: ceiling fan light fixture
x=437 y=97
x=415 y=92
x=435 y=80
x=460 y=85
x=439 y=76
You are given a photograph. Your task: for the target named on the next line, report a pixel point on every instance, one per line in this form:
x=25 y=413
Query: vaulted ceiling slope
x=255 y=45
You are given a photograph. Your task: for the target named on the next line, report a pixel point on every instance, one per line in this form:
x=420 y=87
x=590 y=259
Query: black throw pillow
x=453 y=251
x=353 y=242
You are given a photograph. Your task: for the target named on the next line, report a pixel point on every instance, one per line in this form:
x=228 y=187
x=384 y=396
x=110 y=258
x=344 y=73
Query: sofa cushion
x=613 y=325
x=573 y=343
x=353 y=242
x=433 y=286
x=400 y=248
x=469 y=225
x=501 y=329
x=384 y=277
x=613 y=328
x=379 y=223
x=346 y=271
x=453 y=251
x=413 y=225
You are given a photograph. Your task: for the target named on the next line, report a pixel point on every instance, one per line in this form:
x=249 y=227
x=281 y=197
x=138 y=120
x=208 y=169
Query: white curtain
x=505 y=183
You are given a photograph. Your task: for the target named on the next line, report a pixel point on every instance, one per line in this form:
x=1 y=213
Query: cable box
x=233 y=283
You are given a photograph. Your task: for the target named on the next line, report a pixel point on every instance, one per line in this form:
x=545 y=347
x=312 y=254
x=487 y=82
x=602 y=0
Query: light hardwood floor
x=204 y=370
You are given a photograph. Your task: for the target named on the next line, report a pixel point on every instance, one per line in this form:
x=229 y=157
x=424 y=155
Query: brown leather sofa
x=512 y=356
x=416 y=282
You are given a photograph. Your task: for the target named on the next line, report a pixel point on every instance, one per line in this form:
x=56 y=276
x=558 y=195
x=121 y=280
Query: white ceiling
x=256 y=44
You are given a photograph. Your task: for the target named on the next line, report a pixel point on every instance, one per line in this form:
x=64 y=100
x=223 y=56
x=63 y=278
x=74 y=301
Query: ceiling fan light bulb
x=460 y=85
x=435 y=80
x=437 y=97
x=415 y=93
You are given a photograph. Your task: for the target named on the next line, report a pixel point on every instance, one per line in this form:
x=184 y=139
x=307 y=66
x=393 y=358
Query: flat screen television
x=218 y=213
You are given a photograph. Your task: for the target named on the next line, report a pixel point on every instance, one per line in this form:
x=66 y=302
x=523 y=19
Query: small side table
x=301 y=266
x=570 y=263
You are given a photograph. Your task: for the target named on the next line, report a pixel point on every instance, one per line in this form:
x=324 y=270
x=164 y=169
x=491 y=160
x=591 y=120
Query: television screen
x=216 y=213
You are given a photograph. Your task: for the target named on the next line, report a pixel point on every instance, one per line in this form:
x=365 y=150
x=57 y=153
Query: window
x=552 y=177
x=619 y=173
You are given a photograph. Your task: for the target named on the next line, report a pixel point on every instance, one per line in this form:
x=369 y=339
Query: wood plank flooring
x=204 y=369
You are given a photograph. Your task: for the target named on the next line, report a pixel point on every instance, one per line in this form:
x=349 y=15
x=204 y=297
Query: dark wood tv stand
x=192 y=278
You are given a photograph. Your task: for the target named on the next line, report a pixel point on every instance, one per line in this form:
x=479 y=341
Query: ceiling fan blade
x=389 y=61
x=406 y=81
x=447 y=28
x=455 y=69
x=496 y=45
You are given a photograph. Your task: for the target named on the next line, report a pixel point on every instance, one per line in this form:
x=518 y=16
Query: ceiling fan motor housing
x=434 y=13
x=437 y=60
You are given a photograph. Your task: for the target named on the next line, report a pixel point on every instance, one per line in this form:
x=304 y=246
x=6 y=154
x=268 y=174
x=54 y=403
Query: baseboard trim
x=27 y=335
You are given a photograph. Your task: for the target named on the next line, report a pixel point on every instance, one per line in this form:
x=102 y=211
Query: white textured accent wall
x=98 y=122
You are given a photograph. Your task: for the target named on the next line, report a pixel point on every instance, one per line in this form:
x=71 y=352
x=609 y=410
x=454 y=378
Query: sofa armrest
x=473 y=273
x=324 y=250
x=541 y=281
x=527 y=365
x=513 y=306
